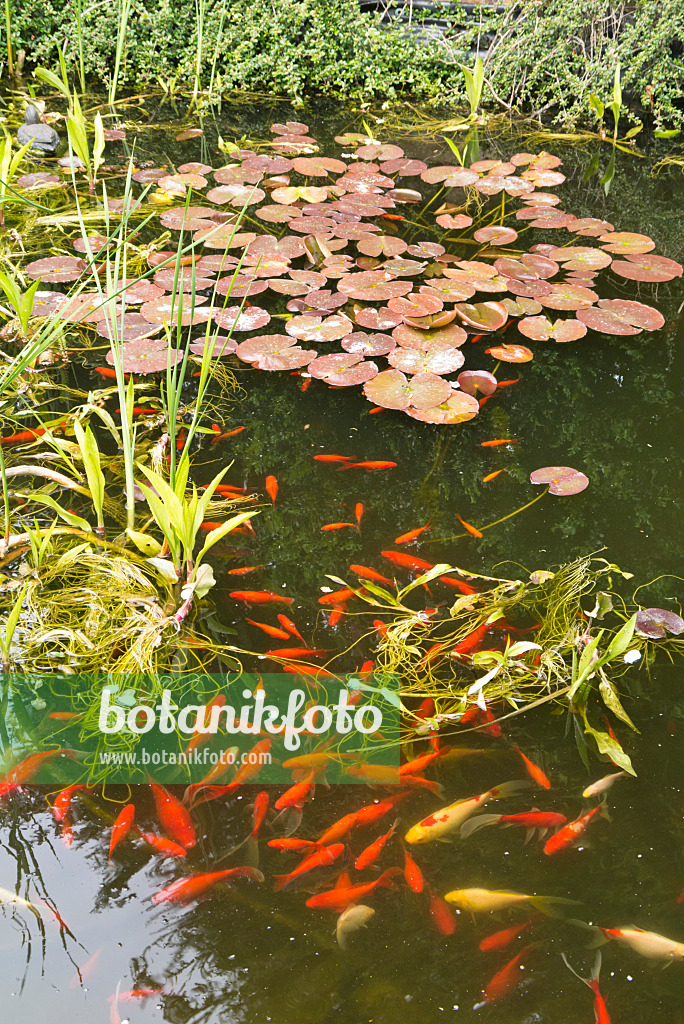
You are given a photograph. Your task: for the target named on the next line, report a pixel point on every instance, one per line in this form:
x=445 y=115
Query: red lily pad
x=168 y=311
x=485 y=316
x=431 y=321
x=84 y=308
x=495 y=234
x=373 y=286
x=438 y=359
x=591 y=227
x=379 y=151
x=368 y=344
x=581 y=257
x=562 y=480
x=511 y=353
x=323 y=366
x=382 y=319
x=472 y=381
x=318 y=166
x=277 y=214
x=540 y=328
x=522 y=306
x=181 y=182
x=655 y=623
x=289 y=128
x=187 y=280
x=389 y=390
x=451 y=176
x=428 y=250
x=453 y=222
x=411 y=337
x=382 y=245
x=621 y=316
x=267 y=164
x=249 y=318
x=46 y=302
x=403 y=268
x=458 y=408
x=638 y=267
x=39 y=179
x=285 y=287
x=135 y=328
x=567 y=295
x=416 y=304
x=623 y=242
x=316 y=328
x=55 y=268
x=149 y=175
x=146 y=356
x=219 y=344
x=403 y=167
x=189 y=133
x=237 y=286
x=448 y=289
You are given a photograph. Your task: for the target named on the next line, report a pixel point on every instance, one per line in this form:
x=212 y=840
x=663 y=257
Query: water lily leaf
x=416 y=304
x=568 y=295
x=316 y=328
x=418 y=338
x=368 y=344
x=440 y=359
x=626 y=242
x=389 y=390
x=340 y=376
x=382 y=319
x=379 y=151
x=453 y=222
x=473 y=381
x=56 y=268
x=382 y=245
x=540 y=328
x=562 y=480
x=168 y=311
x=189 y=133
x=655 y=623
x=219 y=345
x=511 y=353
x=431 y=321
x=638 y=267
x=452 y=176
x=495 y=234
x=449 y=290
x=581 y=257
x=458 y=408
x=485 y=316
x=249 y=318
x=325 y=365
x=621 y=316
x=403 y=167
x=373 y=286
x=318 y=167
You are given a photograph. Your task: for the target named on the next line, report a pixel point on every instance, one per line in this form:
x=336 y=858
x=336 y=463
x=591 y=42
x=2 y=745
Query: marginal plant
x=77 y=125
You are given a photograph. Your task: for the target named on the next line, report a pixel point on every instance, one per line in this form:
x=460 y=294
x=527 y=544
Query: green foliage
x=549 y=55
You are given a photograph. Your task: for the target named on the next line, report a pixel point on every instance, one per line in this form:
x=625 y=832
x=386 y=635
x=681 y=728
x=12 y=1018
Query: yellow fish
x=448 y=819
x=350 y=920
x=488 y=900
x=648 y=944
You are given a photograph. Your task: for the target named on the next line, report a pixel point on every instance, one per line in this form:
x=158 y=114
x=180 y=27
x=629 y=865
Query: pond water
x=609 y=406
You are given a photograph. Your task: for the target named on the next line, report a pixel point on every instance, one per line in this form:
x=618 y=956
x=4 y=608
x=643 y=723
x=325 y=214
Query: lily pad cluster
x=361 y=284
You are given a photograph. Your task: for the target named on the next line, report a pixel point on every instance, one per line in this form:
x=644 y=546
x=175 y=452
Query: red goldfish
x=333 y=458
x=573 y=831
x=297 y=794
x=259 y=811
x=29 y=767
x=164 y=847
x=502 y=939
x=121 y=827
x=340 y=899
x=184 y=890
x=272 y=488
x=320 y=858
x=364 y=816
x=292 y=653
x=501 y=440
x=406 y=538
x=373 y=851
x=473 y=531
x=440 y=912
x=413 y=874
x=174 y=817
x=244 y=570
x=337 y=526
x=358 y=511
x=62 y=802
x=336 y=597
x=529 y=820
x=369 y=465
x=601 y=1015
x=369 y=574
x=293 y=844
x=407 y=561
x=507 y=979
x=277 y=634
x=533 y=770
x=260 y=597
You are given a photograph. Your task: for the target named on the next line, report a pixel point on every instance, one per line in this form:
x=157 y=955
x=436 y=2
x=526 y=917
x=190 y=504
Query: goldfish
x=337 y=526
x=369 y=574
x=83 y=972
x=364 y=816
x=135 y=993
x=305 y=385
x=25 y=770
x=473 y=531
x=448 y=819
x=62 y=802
x=533 y=770
x=488 y=900
x=471 y=642
x=441 y=914
x=368 y=465
x=260 y=597
x=140 y=410
x=570 y=833
x=336 y=616
x=502 y=939
x=121 y=827
x=529 y=820
x=337 y=597
x=106 y=371
x=351 y=920
x=406 y=538
x=64 y=716
x=358 y=512
x=491 y=476
x=164 y=847
x=289 y=625
x=198 y=737
x=233 y=432
x=501 y=440
x=602 y=785
x=507 y=383
x=184 y=890
x=244 y=570
x=407 y=561
x=292 y=653
x=647 y=944
x=340 y=899
x=601 y=1015
x=293 y=844
x=376 y=409
x=465 y=588
x=296 y=794
x=272 y=488
x=333 y=458
x=67 y=833
x=259 y=811
x=277 y=634
x=323 y=857
x=507 y=979
x=412 y=873
x=369 y=856
x=418 y=764
x=173 y=817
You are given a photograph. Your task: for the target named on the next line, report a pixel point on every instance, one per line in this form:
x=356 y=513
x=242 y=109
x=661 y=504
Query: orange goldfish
x=121 y=827
x=337 y=526
x=260 y=597
x=259 y=811
x=533 y=770
x=292 y=653
x=244 y=570
x=472 y=530
x=184 y=890
x=502 y=939
x=62 y=802
x=358 y=511
x=333 y=458
x=272 y=488
x=441 y=914
x=364 y=816
x=407 y=561
x=491 y=476
x=277 y=634
x=507 y=979
x=337 y=597
x=369 y=856
x=174 y=817
x=164 y=847
x=406 y=538
x=413 y=874
x=293 y=844
x=29 y=767
x=501 y=440
x=297 y=794
x=369 y=465
x=340 y=899
x=321 y=858
x=369 y=574
x=570 y=833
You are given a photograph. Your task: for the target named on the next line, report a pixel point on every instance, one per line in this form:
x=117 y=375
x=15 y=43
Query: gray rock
x=42 y=137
